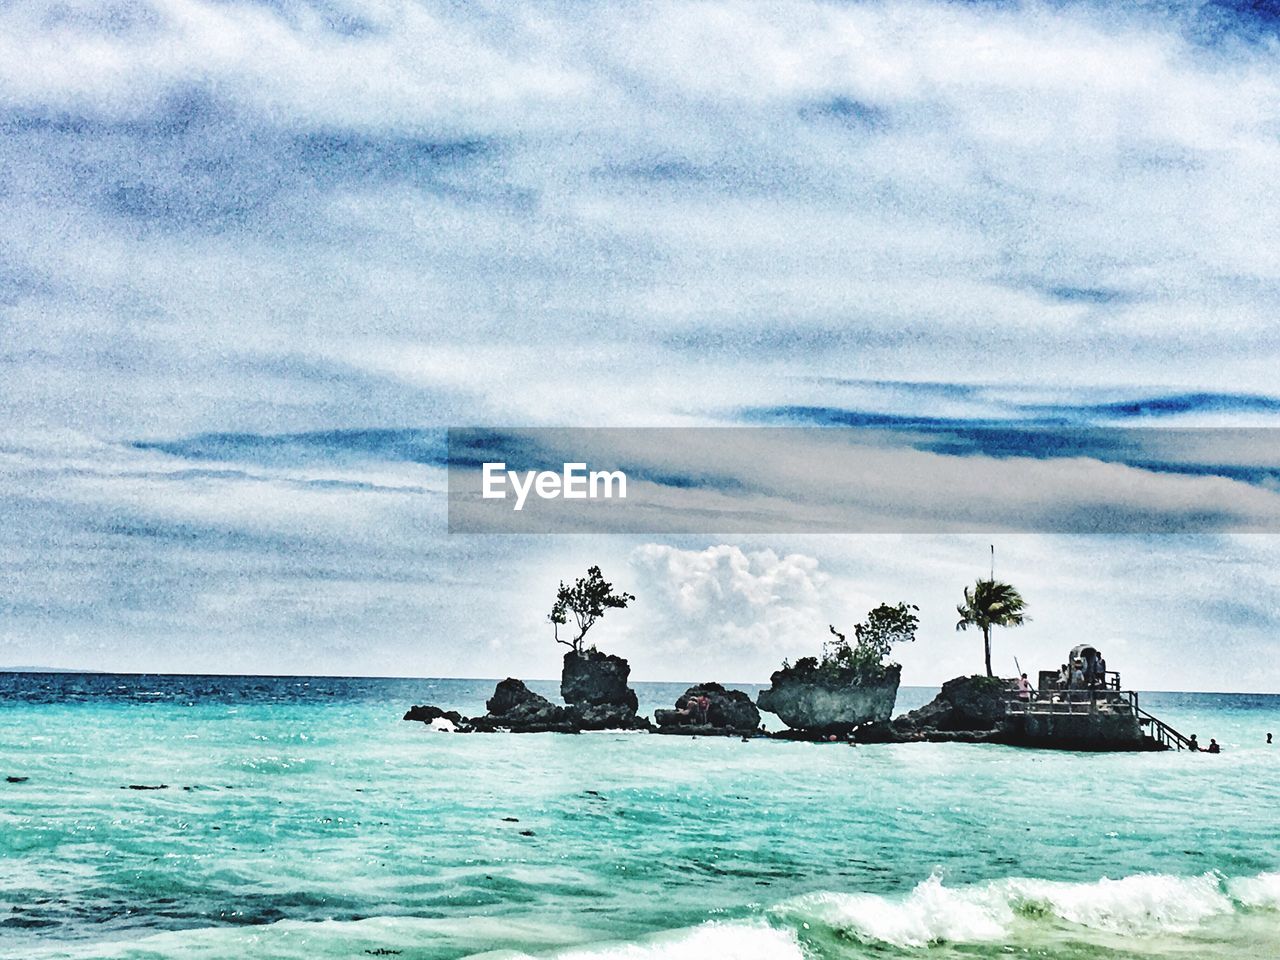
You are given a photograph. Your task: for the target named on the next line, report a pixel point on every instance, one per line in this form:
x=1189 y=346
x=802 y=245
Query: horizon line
x=54 y=671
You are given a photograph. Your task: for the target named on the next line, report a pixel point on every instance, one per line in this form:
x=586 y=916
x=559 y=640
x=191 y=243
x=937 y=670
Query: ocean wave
x=1260 y=892
x=1158 y=915
x=740 y=940
x=1142 y=905
x=1154 y=907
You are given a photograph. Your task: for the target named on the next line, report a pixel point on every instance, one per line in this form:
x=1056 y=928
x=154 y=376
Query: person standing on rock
x=1024 y=689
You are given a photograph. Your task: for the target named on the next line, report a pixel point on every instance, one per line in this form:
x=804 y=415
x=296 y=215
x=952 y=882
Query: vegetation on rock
x=863 y=661
x=587 y=600
x=991 y=603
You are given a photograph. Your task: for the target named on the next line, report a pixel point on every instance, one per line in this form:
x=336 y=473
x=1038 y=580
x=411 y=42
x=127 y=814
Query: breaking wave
x=1113 y=915
x=1143 y=905
x=1158 y=916
x=724 y=941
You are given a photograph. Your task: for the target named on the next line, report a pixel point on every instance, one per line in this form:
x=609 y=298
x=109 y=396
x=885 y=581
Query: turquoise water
x=305 y=819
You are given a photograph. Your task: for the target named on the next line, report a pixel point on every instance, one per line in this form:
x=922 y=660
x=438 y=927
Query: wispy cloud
x=255 y=256
x=720 y=191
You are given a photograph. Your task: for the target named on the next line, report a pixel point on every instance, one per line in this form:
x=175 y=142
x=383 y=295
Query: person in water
x=1268 y=738
x=1213 y=746
x=1193 y=745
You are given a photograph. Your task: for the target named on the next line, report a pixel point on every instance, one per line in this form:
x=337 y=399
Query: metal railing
x=1082 y=701
x=1160 y=730
x=1069 y=701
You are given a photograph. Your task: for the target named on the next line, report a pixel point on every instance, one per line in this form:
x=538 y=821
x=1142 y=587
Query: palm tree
x=991 y=603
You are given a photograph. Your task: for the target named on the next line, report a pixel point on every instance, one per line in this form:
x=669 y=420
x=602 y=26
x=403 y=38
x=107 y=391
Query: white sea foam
x=1143 y=905
x=1134 y=906
x=725 y=941
x=930 y=913
x=1262 y=891
x=1137 y=905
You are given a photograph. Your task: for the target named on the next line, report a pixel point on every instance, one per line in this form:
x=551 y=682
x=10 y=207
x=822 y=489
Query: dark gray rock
x=515 y=707
x=609 y=716
x=511 y=694
x=964 y=703
x=594 y=684
x=825 y=702
x=592 y=677
x=729 y=713
x=428 y=714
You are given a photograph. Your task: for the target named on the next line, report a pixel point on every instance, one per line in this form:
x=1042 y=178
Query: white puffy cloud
x=723 y=605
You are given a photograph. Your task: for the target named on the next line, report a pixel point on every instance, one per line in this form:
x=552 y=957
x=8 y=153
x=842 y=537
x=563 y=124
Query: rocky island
x=809 y=701
x=847 y=693
x=708 y=709
x=594 y=684
x=850 y=686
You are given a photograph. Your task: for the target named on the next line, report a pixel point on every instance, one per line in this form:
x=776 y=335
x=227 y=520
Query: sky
x=255 y=258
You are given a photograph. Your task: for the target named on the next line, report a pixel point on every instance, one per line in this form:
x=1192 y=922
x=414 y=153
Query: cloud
x=284 y=244
x=451 y=204
x=719 y=604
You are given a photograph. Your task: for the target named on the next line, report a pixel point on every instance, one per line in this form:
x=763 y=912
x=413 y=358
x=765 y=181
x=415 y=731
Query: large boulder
x=594 y=677
x=512 y=694
x=515 y=707
x=438 y=719
x=728 y=713
x=965 y=703
x=824 y=702
x=609 y=716
x=594 y=684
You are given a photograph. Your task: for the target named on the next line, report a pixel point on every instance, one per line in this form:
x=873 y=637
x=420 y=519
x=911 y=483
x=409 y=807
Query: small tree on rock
x=587 y=600
x=991 y=603
x=874 y=638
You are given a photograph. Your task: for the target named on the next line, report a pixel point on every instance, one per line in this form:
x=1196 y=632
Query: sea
x=295 y=817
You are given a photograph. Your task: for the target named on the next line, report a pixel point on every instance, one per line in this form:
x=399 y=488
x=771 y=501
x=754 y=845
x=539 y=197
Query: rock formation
x=434 y=716
x=973 y=710
x=728 y=713
x=597 y=684
x=515 y=707
x=819 y=701
x=594 y=684
x=964 y=703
